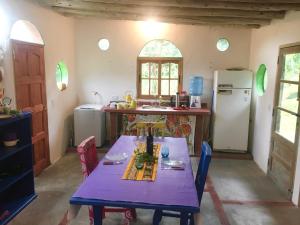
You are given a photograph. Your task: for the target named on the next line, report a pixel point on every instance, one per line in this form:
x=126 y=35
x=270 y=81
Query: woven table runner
x=148 y=172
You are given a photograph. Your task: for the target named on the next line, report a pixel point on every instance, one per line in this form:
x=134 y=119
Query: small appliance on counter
x=114 y=101
x=196 y=91
x=182 y=100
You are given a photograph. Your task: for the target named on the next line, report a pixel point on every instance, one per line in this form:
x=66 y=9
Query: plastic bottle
x=196 y=86
x=177 y=100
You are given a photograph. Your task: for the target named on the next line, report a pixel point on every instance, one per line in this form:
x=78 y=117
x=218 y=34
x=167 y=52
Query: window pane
x=153 y=70
x=173 y=87
x=145 y=70
x=145 y=87
x=286 y=125
x=288 y=97
x=165 y=70
x=291 y=68
x=165 y=87
x=160 y=48
x=222 y=44
x=153 y=87
x=174 y=70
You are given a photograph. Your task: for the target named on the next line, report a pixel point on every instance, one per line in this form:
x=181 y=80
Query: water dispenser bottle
x=196 y=90
x=196 y=86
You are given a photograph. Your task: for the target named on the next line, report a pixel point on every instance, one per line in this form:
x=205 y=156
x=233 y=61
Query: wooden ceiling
x=240 y=13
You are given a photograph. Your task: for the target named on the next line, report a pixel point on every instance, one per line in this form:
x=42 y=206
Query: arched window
x=159 y=69
x=23 y=30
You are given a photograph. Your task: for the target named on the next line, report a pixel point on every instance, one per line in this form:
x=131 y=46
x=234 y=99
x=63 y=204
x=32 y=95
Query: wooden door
x=29 y=70
x=285 y=131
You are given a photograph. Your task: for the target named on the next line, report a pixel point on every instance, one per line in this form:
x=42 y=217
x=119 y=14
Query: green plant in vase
x=142 y=158
x=5 y=105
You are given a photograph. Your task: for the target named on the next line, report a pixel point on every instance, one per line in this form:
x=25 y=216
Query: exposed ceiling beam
x=174 y=19
x=169 y=11
x=254 y=13
x=262 y=6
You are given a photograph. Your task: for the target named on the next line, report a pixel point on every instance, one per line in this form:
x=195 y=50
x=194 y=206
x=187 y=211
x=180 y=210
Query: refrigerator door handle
x=225 y=86
x=225 y=92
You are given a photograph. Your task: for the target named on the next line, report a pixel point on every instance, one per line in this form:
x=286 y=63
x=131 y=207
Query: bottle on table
x=149 y=142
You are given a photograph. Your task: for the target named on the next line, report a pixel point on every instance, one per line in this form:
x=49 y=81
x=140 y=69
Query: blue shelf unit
x=16 y=168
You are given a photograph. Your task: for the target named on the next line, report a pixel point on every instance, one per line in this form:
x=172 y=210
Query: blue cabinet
x=16 y=168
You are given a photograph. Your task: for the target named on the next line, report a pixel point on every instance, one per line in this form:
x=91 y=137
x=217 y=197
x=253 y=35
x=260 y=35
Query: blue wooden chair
x=199 y=182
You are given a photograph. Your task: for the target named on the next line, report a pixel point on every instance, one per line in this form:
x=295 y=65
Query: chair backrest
x=88 y=155
x=202 y=170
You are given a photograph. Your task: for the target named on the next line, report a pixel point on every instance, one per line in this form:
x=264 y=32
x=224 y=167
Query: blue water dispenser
x=196 y=91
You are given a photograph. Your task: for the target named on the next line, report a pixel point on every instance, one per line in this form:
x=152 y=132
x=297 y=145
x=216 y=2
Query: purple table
x=172 y=190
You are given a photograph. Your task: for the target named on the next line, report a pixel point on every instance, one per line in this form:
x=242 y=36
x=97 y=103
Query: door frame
x=44 y=97
x=284 y=49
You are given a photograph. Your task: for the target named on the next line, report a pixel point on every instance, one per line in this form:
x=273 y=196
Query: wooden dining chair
x=89 y=161
x=199 y=183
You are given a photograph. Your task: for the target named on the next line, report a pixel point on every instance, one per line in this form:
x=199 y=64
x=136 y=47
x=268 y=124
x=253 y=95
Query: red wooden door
x=29 y=70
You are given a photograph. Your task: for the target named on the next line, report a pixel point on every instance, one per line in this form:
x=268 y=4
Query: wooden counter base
x=201 y=127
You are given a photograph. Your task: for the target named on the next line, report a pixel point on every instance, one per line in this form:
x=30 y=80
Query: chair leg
x=91 y=215
x=128 y=214
x=133 y=213
x=97 y=210
x=103 y=213
x=157 y=217
x=184 y=218
x=192 y=220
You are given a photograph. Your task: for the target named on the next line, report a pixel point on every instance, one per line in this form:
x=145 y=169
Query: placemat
x=148 y=172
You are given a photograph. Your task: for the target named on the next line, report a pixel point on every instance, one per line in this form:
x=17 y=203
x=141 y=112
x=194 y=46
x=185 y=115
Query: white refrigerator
x=231 y=110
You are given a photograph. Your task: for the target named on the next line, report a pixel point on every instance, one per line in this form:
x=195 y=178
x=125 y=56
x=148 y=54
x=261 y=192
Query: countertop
x=159 y=111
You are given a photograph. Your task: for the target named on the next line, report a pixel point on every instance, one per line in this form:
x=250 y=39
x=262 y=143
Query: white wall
x=58 y=34
x=113 y=72
x=265 y=43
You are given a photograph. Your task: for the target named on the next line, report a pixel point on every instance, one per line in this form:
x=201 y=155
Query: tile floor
x=238 y=193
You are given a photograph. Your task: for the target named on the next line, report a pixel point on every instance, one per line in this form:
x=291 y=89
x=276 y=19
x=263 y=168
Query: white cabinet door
x=231 y=120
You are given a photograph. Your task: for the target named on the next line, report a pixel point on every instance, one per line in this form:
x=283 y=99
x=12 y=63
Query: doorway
x=285 y=129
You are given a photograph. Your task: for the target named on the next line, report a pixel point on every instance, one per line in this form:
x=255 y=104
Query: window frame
x=159 y=61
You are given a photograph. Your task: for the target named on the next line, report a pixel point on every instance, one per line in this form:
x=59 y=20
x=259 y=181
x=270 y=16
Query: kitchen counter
x=159 y=111
x=201 y=128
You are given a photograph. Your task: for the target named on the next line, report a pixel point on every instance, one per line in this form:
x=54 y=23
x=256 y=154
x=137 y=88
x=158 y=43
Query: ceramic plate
x=173 y=163
x=117 y=156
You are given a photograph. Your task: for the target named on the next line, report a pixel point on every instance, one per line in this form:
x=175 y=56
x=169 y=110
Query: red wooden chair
x=89 y=161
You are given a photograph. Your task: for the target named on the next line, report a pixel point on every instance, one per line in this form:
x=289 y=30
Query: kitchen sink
x=153 y=107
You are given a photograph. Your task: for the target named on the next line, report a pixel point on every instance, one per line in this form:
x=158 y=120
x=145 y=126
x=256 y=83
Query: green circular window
x=61 y=76
x=261 y=80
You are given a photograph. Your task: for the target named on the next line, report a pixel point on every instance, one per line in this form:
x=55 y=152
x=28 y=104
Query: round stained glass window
x=103 y=44
x=222 y=44
x=62 y=76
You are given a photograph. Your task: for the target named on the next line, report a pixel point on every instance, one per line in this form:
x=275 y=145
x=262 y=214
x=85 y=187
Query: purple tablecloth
x=171 y=187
